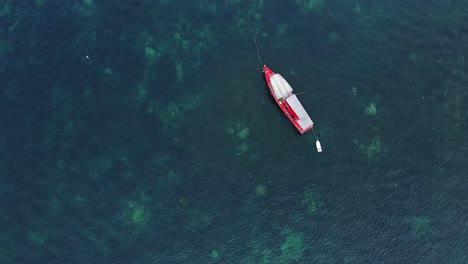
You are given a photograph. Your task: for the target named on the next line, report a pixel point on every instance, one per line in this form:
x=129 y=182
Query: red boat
x=288 y=101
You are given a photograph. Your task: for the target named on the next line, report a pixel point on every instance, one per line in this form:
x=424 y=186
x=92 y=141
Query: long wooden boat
x=283 y=94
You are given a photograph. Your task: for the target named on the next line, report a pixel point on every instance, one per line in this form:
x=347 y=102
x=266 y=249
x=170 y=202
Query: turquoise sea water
x=144 y=132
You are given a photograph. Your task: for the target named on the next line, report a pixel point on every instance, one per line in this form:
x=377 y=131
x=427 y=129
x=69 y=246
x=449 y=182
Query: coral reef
x=371 y=109
x=292 y=248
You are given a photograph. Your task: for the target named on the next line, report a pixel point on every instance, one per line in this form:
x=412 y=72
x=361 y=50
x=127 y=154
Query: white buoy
x=319 y=147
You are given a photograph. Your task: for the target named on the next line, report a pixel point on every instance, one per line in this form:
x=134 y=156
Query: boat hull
x=287 y=101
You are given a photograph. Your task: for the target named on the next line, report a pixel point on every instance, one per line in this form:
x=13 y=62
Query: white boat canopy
x=303 y=118
x=280 y=86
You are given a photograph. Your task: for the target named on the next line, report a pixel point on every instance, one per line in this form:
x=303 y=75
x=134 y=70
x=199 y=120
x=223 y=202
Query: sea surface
x=138 y=131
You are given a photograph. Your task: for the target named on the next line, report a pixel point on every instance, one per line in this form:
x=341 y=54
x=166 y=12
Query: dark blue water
x=144 y=132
